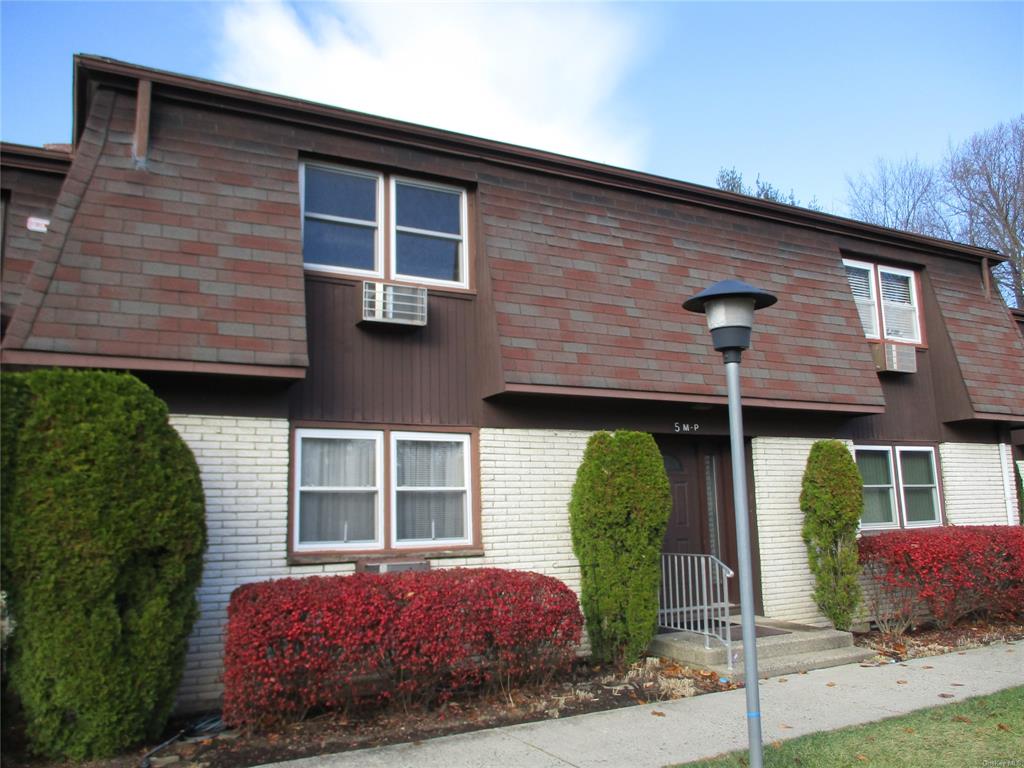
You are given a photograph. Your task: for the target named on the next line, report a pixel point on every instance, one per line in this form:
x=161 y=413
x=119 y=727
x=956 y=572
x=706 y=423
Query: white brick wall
x=526 y=477
x=978 y=484
x=244 y=467
x=786 y=580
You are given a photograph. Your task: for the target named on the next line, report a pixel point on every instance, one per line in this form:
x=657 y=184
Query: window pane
x=338 y=463
x=431 y=209
x=917 y=468
x=431 y=515
x=339 y=245
x=345 y=517
x=895 y=288
x=920 y=503
x=430 y=257
x=337 y=193
x=430 y=464
x=898 y=306
x=860 y=286
x=878 y=506
x=874 y=467
x=860 y=282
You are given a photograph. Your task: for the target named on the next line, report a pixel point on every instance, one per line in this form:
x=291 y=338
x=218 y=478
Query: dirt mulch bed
x=932 y=641
x=587 y=689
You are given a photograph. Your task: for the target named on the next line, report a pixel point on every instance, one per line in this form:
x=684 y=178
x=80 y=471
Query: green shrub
x=619 y=509
x=832 y=503
x=103 y=534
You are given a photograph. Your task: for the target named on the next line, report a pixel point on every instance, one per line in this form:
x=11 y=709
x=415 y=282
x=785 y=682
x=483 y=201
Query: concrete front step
x=795 y=663
x=688 y=648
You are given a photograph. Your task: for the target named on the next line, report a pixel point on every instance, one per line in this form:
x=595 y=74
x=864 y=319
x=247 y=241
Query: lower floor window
x=353 y=494
x=900 y=486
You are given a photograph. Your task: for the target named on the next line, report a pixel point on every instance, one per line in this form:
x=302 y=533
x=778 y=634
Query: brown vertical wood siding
x=377 y=374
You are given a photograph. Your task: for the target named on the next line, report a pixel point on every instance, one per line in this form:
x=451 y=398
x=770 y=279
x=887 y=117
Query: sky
x=803 y=94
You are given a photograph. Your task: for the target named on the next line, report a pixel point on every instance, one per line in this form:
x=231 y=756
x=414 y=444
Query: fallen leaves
x=946 y=696
x=902 y=682
x=961 y=719
x=1004 y=727
x=830 y=685
x=656 y=713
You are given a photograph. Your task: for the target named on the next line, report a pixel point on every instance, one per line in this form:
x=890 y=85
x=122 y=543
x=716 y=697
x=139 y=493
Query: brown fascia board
x=90 y=71
x=673 y=397
x=39 y=159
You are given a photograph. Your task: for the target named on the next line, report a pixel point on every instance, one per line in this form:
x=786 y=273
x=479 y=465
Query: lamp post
x=729 y=306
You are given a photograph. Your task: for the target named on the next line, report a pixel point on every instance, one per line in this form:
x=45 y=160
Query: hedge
x=294 y=645
x=618 y=512
x=951 y=571
x=103 y=535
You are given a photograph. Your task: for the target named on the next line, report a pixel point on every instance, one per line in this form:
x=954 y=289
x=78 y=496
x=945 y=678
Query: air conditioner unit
x=399 y=304
x=895 y=358
x=392 y=566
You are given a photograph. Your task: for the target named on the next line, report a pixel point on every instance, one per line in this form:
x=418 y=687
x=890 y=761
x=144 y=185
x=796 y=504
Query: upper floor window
x=900 y=486
x=886 y=300
x=367 y=224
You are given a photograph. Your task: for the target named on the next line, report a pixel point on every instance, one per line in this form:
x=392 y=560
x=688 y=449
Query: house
x=387 y=343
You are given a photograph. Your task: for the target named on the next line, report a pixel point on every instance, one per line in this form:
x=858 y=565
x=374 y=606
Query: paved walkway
x=703 y=726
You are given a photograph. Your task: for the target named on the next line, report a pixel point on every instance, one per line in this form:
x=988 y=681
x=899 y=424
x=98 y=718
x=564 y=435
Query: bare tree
x=902 y=194
x=984 y=179
x=975 y=196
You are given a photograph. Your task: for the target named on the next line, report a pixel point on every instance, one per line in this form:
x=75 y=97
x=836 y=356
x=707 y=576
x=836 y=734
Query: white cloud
x=542 y=76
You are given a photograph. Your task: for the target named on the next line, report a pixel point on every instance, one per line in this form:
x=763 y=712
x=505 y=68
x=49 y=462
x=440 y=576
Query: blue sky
x=802 y=93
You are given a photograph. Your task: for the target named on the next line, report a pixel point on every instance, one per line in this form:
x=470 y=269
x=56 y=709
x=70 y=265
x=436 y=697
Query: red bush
x=325 y=642
x=953 y=571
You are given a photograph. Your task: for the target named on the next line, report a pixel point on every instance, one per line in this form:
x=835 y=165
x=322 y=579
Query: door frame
x=719 y=448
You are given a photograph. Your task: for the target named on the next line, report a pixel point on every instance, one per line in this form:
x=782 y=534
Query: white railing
x=695 y=597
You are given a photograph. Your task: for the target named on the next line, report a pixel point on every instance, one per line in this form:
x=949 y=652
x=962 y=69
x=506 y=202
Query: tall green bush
x=618 y=512
x=103 y=535
x=832 y=503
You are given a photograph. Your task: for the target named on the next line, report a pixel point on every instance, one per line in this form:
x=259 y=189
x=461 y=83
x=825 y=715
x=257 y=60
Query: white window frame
x=385 y=259
x=893 y=488
x=467 y=476
x=898 y=489
x=900 y=450
x=462 y=238
x=339 y=434
x=873 y=289
x=876 y=271
x=378 y=240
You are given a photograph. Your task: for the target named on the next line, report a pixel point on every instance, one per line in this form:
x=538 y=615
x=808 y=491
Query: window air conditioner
x=399 y=304
x=895 y=358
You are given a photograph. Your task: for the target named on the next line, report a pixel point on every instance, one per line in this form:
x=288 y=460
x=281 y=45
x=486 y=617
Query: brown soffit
x=90 y=71
x=625 y=394
x=54 y=161
x=67 y=360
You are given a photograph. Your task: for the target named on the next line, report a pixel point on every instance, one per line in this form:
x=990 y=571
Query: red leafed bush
x=953 y=571
x=326 y=642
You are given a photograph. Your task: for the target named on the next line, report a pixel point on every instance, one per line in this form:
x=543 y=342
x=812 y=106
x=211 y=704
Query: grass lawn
x=986 y=732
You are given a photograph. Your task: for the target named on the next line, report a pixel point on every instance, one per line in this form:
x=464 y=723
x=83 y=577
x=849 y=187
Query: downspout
x=1009 y=492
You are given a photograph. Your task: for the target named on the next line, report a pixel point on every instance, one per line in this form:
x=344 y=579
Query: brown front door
x=702 y=522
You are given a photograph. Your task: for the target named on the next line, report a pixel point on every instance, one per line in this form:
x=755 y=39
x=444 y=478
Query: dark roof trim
x=54 y=161
x=670 y=397
x=70 y=360
x=90 y=71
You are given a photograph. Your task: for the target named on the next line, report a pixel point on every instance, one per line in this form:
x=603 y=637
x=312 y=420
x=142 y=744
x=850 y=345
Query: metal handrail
x=694 y=597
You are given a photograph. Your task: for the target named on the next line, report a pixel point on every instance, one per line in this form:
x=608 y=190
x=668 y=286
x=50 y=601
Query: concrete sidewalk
x=670 y=732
